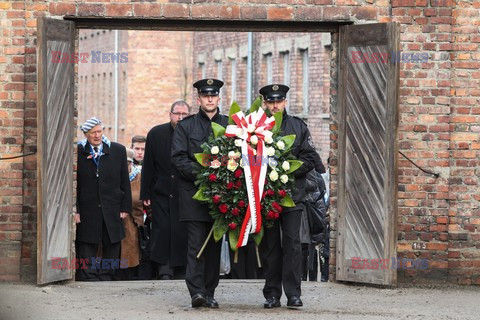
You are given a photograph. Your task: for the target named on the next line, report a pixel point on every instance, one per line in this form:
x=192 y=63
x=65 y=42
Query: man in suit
x=168 y=240
x=202 y=274
x=104 y=198
x=280 y=248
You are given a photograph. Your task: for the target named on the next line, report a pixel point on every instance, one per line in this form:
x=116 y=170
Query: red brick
x=147 y=9
x=308 y=13
x=403 y=3
x=281 y=13
x=176 y=11
x=442 y=3
x=365 y=13
x=253 y=13
x=91 y=10
x=205 y=11
x=118 y=10
x=334 y=13
x=62 y=8
x=230 y=12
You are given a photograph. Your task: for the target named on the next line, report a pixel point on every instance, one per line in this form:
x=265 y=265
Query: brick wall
x=439 y=114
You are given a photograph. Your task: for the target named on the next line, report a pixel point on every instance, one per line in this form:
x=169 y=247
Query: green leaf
x=234 y=108
x=203 y=159
x=199 y=195
x=294 y=165
x=257 y=237
x=278 y=122
x=233 y=238
x=255 y=105
x=218 y=130
x=288 y=140
x=287 y=202
x=220 y=227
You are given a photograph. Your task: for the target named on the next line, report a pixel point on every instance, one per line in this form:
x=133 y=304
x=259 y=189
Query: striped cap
x=89 y=124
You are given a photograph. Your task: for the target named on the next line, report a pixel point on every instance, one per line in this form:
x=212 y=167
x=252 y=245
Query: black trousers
x=202 y=274
x=97 y=271
x=247 y=265
x=282 y=256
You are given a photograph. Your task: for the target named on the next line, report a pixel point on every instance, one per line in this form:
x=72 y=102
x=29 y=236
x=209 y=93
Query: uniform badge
x=275 y=87
x=209 y=82
x=310 y=142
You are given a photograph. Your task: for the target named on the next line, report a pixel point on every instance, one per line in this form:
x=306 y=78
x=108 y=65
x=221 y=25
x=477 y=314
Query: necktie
x=96 y=150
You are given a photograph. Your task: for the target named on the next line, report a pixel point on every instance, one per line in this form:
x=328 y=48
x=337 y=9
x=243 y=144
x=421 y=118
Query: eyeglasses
x=180 y=114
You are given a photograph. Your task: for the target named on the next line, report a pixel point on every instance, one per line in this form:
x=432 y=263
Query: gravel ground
x=238 y=299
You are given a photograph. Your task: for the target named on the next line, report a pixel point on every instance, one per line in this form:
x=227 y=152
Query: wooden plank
x=55 y=103
x=368 y=116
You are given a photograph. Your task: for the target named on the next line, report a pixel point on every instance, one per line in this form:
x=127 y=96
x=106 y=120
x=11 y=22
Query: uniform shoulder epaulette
x=299 y=119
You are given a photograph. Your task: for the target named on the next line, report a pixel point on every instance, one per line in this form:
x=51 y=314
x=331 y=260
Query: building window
x=286 y=72
x=233 y=85
x=203 y=70
x=219 y=77
x=305 y=80
x=269 y=68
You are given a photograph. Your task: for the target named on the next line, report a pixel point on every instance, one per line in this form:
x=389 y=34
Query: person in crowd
x=130 y=249
x=325 y=241
x=104 y=198
x=203 y=273
x=168 y=240
x=280 y=247
x=138 y=147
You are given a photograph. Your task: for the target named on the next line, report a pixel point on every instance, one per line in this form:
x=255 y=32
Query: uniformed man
x=282 y=255
x=202 y=274
x=168 y=239
x=104 y=198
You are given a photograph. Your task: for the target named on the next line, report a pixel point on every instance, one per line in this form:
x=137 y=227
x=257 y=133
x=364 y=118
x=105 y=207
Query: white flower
x=270 y=151
x=285 y=165
x=232 y=154
x=239 y=133
x=214 y=150
x=238 y=142
x=254 y=140
x=281 y=145
x=238 y=154
x=284 y=178
x=268 y=139
x=215 y=164
x=251 y=127
x=273 y=175
x=272 y=163
x=232 y=165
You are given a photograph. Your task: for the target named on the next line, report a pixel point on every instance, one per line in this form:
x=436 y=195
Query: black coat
x=190 y=133
x=168 y=240
x=103 y=197
x=304 y=149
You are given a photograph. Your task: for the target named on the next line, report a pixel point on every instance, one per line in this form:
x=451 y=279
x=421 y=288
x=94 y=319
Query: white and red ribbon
x=254 y=167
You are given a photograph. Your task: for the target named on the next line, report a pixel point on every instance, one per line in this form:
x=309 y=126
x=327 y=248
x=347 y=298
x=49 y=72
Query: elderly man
x=202 y=274
x=104 y=198
x=280 y=247
x=168 y=240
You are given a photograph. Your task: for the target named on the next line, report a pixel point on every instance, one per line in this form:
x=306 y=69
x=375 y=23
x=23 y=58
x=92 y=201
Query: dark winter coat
x=168 y=240
x=102 y=197
x=190 y=133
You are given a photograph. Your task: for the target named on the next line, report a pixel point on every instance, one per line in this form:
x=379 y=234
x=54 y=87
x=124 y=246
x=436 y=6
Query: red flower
x=238 y=173
x=278 y=208
x=216 y=198
x=270 y=192
x=238 y=184
x=212 y=177
x=232 y=226
x=230 y=185
x=276 y=215
x=282 y=193
x=270 y=215
x=241 y=204
x=223 y=208
x=235 y=211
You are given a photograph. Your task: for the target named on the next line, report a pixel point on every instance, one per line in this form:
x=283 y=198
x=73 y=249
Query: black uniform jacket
x=103 y=197
x=304 y=149
x=190 y=133
x=160 y=184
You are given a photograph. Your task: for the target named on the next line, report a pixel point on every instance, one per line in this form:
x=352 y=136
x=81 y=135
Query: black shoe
x=294 y=301
x=211 y=303
x=272 y=302
x=198 y=300
x=324 y=280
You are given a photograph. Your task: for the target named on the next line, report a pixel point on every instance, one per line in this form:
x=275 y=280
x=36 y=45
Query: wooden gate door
x=367 y=170
x=55 y=103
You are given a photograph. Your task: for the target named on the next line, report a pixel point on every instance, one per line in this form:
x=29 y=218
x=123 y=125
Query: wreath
x=246 y=175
